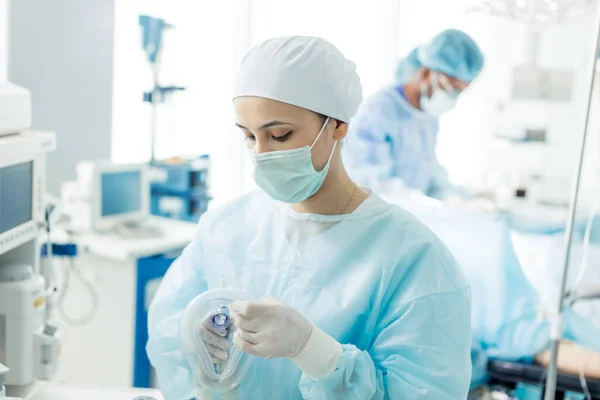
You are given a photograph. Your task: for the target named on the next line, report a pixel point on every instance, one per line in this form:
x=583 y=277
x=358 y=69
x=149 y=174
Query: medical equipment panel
x=22 y=187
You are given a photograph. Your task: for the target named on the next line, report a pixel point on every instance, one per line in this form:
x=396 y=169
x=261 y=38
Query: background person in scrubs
x=394 y=134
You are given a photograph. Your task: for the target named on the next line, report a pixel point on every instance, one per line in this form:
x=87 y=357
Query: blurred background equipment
x=15 y=106
x=180 y=188
x=29 y=340
x=536 y=12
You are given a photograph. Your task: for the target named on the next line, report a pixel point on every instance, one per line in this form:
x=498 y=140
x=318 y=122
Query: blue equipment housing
x=185 y=184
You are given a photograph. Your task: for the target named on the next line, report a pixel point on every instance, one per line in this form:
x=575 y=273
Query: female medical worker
x=353 y=298
x=394 y=134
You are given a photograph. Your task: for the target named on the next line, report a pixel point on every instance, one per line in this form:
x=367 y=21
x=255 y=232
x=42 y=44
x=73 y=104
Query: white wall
x=66 y=63
x=3 y=39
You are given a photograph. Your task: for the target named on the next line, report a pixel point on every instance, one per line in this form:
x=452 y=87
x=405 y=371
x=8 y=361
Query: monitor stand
x=140 y=229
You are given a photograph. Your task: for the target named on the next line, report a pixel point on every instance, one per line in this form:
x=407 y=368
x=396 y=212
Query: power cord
x=582 y=379
x=68 y=251
x=72 y=268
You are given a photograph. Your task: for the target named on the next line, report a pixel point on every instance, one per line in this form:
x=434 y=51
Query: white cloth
x=307 y=72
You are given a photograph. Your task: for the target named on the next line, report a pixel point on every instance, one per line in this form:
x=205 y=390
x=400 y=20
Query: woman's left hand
x=269 y=328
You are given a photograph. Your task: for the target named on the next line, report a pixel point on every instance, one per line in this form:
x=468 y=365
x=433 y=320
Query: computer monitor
x=121 y=194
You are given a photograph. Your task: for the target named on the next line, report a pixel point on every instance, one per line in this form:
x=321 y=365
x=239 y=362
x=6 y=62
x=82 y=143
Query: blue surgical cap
x=452 y=52
x=408 y=67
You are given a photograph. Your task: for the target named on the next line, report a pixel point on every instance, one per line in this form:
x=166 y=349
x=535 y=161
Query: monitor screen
x=121 y=193
x=16 y=191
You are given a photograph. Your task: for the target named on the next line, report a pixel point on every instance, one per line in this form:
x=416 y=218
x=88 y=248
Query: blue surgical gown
x=376 y=280
x=389 y=138
x=506 y=321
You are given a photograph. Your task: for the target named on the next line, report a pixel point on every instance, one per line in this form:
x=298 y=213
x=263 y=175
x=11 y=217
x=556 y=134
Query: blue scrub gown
x=389 y=138
x=376 y=280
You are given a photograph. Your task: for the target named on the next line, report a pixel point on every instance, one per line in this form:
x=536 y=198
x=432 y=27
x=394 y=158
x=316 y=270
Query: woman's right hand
x=216 y=341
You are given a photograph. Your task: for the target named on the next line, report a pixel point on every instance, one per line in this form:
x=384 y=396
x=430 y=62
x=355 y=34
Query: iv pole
x=556 y=322
x=152 y=34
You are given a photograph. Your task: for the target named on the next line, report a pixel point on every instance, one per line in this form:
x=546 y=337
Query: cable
x=56 y=209
x=582 y=379
x=48 y=272
x=543 y=377
x=53 y=212
x=89 y=316
x=586 y=244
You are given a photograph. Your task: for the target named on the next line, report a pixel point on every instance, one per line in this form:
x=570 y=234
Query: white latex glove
x=269 y=328
x=215 y=341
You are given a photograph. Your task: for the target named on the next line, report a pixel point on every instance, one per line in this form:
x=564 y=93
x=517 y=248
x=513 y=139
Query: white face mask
x=441 y=100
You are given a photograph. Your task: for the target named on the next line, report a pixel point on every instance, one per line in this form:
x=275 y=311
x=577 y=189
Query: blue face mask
x=289 y=175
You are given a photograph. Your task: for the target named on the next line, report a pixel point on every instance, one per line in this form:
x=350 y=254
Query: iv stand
x=556 y=322
x=152 y=33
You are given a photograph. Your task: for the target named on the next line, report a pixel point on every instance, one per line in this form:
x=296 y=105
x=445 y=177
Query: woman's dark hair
x=322 y=117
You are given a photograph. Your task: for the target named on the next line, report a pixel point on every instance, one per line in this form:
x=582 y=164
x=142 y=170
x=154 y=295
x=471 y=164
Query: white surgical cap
x=307 y=72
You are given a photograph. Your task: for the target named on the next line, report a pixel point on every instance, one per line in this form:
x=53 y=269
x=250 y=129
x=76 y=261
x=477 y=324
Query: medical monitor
x=16 y=191
x=22 y=186
x=121 y=194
